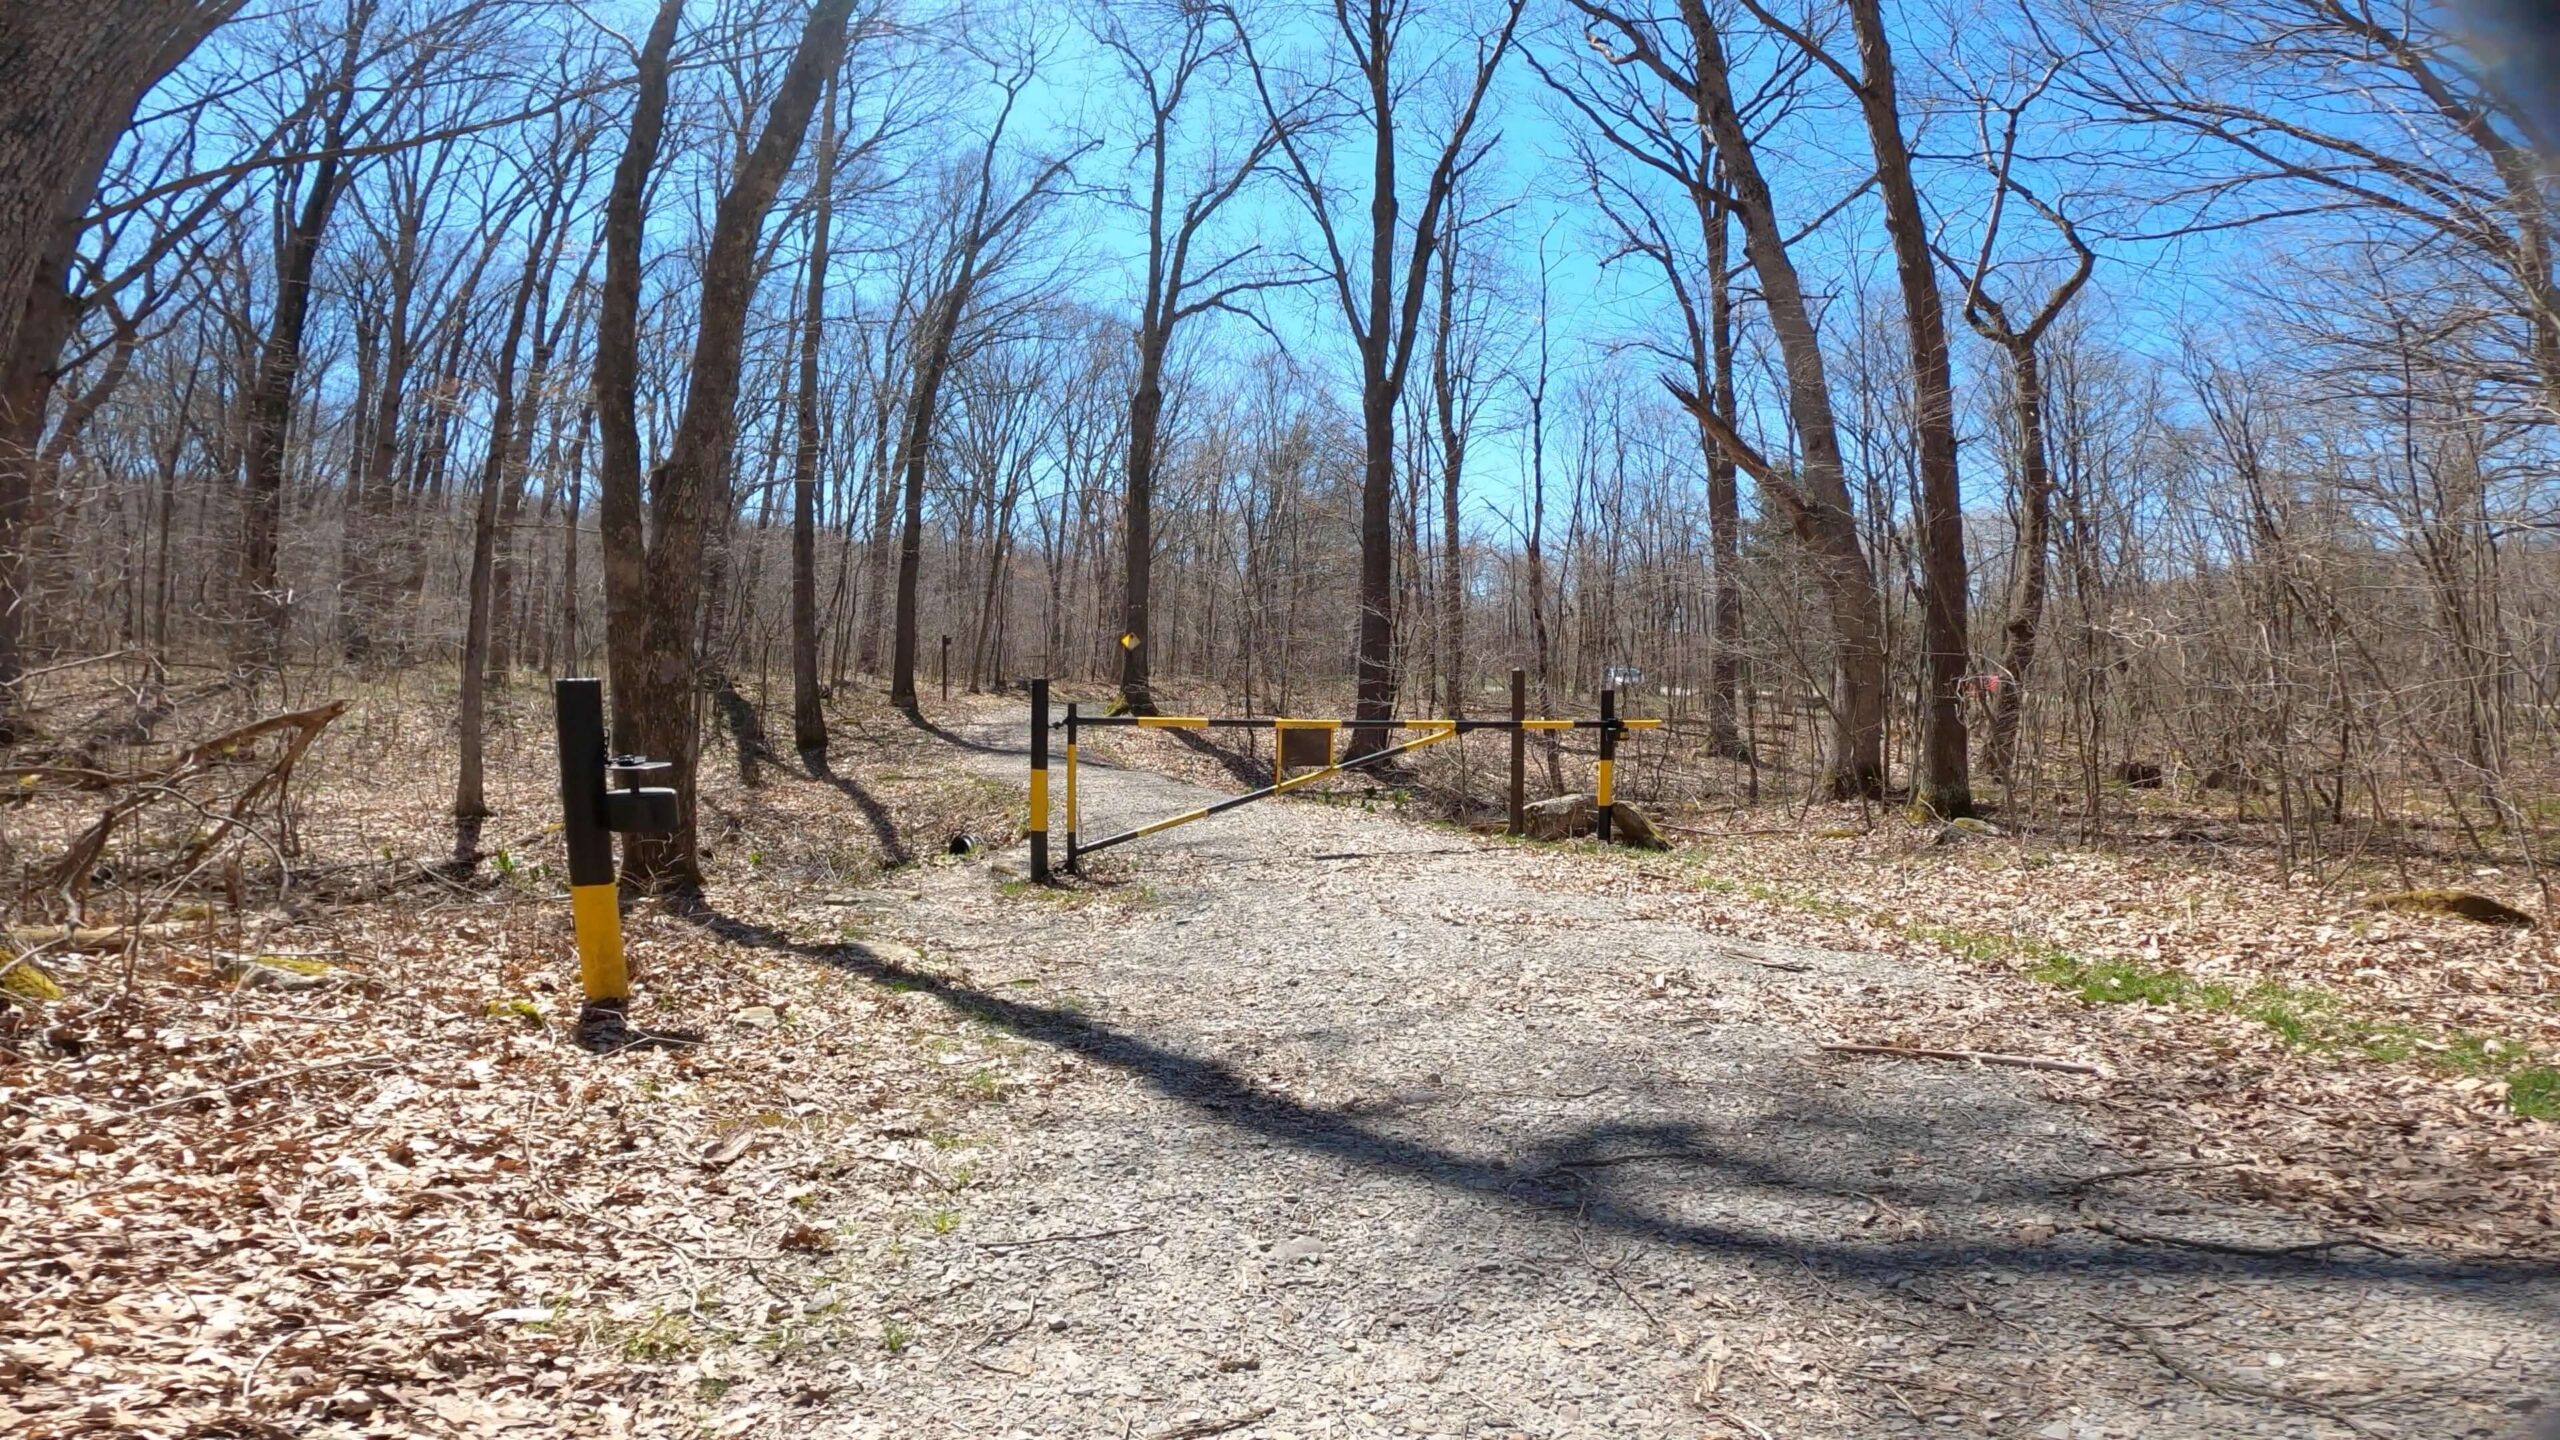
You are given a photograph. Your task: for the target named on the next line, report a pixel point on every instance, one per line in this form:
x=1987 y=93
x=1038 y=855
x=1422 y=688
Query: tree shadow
x=953 y=737
x=884 y=826
x=1243 y=769
x=1574 y=1175
x=746 y=732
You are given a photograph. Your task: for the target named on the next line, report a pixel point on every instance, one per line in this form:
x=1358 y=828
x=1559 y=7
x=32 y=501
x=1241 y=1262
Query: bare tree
x=1382 y=299
x=808 y=720
x=470 y=800
x=1671 y=144
x=985 y=225
x=1940 y=782
x=70 y=77
x=1816 y=497
x=1177 y=54
x=2018 y=343
x=653 y=649
x=2432 y=154
x=621 y=511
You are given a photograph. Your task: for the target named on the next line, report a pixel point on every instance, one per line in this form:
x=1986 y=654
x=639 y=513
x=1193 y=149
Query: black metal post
x=1071 y=787
x=946 y=667
x=1519 y=751
x=1040 y=781
x=1608 y=762
x=594 y=907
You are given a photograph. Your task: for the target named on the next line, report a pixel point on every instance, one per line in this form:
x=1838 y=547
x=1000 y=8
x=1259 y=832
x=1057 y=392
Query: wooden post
x=1519 y=751
x=1608 y=762
x=1039 y=827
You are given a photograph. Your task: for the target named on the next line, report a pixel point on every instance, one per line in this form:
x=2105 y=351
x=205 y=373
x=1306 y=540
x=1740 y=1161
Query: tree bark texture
x=808 y=718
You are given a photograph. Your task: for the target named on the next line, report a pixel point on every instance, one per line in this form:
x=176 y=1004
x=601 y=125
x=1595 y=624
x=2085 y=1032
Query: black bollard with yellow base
x=590 y=813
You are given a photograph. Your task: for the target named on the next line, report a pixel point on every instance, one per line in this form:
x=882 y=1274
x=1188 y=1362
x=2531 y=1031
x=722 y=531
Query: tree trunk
x=1817 y=501
x=547 y=333
x=933 y=359
x=655 y=701
x=261 y=647
x=936 y=337
x=1453 y=464
x=808 y=719
x=1374 y=659
x=565 y=658
x=619 y=505
x=470 y=801
x=1940 y=785
x=1724 y=503
x=2027 y=585
x=1138 y=546
x=872 y=617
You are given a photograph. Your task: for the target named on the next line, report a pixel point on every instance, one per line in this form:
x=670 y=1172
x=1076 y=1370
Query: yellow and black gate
x=1305 y=747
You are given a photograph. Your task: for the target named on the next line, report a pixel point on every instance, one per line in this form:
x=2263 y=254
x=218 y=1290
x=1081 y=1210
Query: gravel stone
x=1369 y=1133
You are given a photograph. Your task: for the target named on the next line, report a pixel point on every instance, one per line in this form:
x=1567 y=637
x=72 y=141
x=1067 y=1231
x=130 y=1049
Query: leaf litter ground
x=1317 y=1122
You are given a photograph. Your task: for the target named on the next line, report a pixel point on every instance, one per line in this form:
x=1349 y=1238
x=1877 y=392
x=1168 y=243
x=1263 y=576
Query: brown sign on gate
x=1305 y=747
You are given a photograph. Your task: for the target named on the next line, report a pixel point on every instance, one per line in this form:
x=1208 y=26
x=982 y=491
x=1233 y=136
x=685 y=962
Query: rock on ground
x=1572 y=817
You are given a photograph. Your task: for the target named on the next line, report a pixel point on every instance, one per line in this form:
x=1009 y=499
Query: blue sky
x=2143 y=289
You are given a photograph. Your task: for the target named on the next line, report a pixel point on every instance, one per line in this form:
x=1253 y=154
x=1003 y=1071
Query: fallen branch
x=97 y=937
x=225 y=1092
x=69 y=876
x=76 y=664
x=2233 y=1389
x=2174 y=1168
x=1059 y=1239
x=1978 y=1057
x=2136 y=1236
x=1199 y=1428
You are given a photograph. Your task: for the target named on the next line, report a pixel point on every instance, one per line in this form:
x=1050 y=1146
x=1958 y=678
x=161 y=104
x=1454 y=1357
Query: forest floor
x=1313 y=1119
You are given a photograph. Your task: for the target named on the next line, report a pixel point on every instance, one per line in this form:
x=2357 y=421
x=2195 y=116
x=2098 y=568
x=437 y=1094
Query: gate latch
x=634 y=808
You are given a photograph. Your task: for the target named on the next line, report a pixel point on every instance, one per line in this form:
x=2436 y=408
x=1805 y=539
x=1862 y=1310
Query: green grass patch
x=2117 y=982
x=664 y=1336
x=2533 y=1091
x=2316 y=1021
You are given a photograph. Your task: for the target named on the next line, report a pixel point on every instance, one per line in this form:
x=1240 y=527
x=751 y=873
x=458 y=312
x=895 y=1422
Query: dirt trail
x=1377 y=1129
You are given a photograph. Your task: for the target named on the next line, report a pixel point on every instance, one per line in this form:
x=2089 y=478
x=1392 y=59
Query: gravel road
x=1371 y=1129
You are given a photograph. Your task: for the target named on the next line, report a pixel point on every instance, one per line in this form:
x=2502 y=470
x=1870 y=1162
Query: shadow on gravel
x=1570 y=1176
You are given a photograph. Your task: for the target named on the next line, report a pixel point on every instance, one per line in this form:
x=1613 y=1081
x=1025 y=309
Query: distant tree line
x=1962 y=402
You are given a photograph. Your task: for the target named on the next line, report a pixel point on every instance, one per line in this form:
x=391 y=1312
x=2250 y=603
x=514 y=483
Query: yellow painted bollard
x=1071 y=787
x=589 y=814
x=1039 y=826
x=1608 y=762
x=579 y=707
